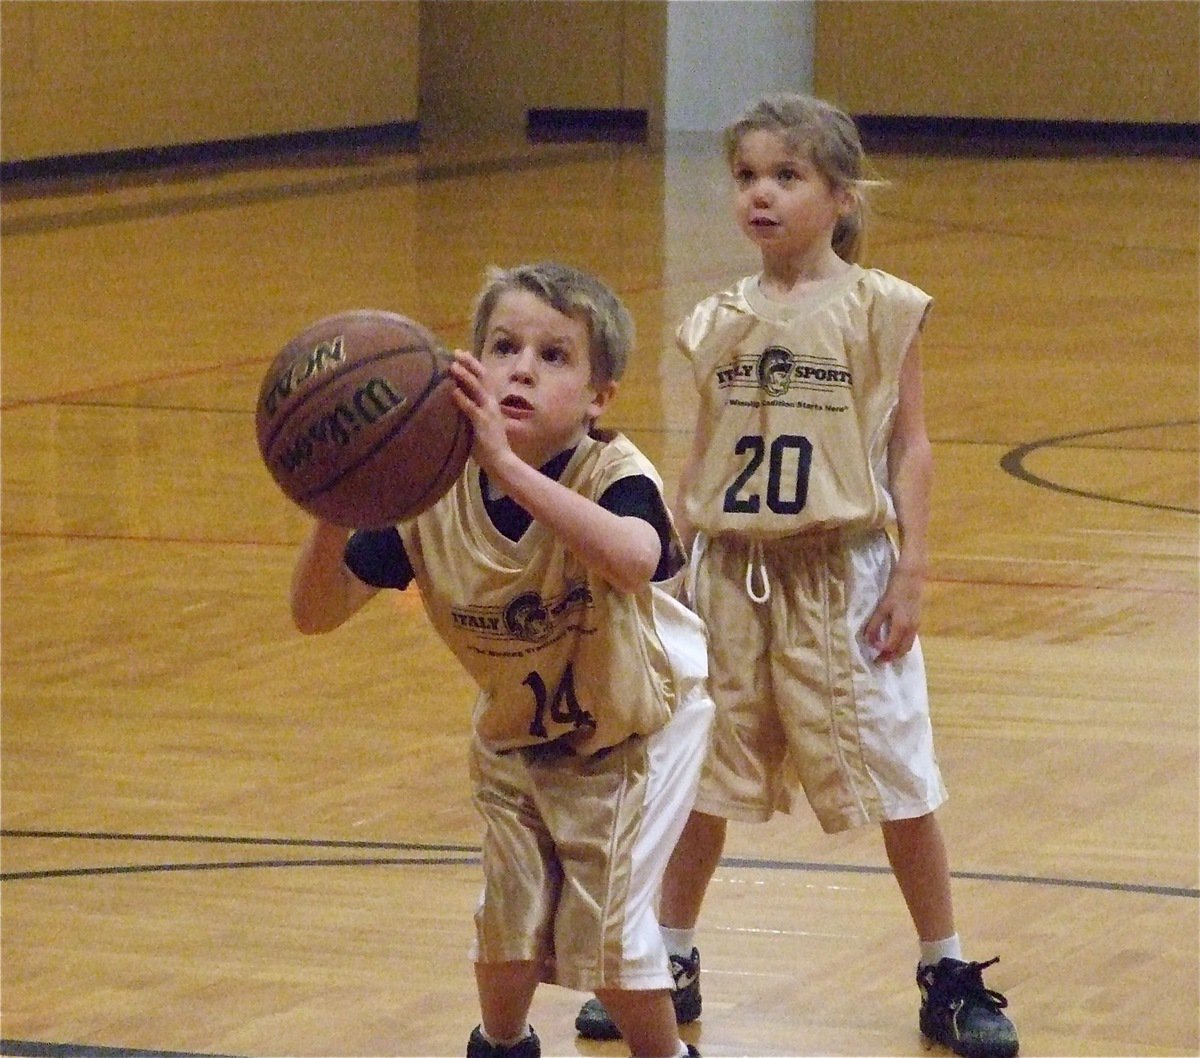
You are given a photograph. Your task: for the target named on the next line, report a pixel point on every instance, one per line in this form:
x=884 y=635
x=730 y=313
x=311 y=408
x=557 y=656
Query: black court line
x=458 y=854
x=36 y=1049
x=1013 y=462
x=469 y=855
x=202 y=202
x=224 y=839
x=236 y=865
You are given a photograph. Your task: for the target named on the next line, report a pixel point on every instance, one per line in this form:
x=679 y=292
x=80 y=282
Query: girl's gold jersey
x=797 y=404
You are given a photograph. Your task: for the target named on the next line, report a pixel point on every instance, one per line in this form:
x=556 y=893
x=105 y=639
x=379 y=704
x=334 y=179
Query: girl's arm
x=892 y=628
x=625 y=551
x=324 y=592
x=687 y=531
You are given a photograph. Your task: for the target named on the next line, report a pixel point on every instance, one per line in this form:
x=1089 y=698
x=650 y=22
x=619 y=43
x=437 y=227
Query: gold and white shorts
x=575 y=848
x=801 y=705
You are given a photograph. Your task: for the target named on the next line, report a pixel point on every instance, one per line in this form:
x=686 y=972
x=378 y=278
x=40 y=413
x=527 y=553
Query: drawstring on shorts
x=756 y=569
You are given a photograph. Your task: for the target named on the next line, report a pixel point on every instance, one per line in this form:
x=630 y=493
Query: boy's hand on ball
x=491 y=437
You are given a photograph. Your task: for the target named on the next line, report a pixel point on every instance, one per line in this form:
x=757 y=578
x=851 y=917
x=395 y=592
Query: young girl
x=542 y=569
x=810 y=446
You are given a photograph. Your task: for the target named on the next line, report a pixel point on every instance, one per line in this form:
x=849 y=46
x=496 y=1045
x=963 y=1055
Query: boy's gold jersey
x=797 y=404
x=554 y=648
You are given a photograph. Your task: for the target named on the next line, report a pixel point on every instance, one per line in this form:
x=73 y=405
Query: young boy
x=543 y=569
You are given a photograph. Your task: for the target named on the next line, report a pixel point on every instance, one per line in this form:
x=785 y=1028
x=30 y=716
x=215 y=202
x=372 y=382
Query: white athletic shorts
x=574 y=848
x=800 y=703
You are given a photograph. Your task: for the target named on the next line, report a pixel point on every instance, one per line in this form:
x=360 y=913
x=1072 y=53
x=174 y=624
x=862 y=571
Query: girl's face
x=782 y=202
x=536 y=364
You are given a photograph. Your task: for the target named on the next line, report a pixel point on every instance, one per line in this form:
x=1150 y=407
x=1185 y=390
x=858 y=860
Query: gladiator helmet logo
x=527 y=618
x=775 y=370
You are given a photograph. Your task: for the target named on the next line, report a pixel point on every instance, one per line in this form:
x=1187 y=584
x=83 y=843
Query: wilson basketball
x=356 y=422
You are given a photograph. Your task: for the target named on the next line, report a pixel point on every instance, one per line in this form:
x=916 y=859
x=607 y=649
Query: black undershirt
x=377 y=556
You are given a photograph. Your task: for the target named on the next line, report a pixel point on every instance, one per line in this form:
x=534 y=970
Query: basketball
x=356 y=421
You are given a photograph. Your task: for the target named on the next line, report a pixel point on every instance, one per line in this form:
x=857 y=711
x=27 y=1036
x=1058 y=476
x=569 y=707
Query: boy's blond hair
x=573 y=293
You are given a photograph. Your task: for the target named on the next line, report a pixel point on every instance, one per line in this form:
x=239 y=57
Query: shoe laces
x=684 y=968
x=963 y=984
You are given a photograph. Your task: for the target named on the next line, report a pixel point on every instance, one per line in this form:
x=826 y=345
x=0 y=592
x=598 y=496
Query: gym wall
x=78 y=77
x=84 y=77
x=486 y=63
x=1052 y=60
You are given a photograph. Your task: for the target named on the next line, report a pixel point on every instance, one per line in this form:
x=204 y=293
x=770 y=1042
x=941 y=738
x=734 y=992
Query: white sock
x=679 y=941
x=934 y=951
x=506 y=1043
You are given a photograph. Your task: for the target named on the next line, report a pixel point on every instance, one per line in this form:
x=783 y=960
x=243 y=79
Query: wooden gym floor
x=222 y=838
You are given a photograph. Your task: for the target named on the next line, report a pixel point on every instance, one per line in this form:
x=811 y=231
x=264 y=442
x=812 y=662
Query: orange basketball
x=356 y=422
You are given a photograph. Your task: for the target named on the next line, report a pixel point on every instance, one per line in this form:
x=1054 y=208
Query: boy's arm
x=623 y=550
x=892 y=628
x=324 y=592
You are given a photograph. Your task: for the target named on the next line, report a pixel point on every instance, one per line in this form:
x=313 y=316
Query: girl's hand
x=892 y=629
x=491 y=437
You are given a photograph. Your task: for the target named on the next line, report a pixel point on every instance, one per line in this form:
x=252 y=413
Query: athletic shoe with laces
x=593 y=1022
x=478 y=1046
x=959 y=1012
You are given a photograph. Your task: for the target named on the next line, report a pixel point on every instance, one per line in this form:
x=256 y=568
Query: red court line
x=73 y=396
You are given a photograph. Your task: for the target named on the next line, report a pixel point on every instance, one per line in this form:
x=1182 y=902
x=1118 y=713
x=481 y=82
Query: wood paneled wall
x=1125 y=60
x=83 y=77
x=487 y=62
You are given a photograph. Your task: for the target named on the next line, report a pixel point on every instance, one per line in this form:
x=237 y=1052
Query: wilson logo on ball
x=300 y=370
x=356 y=419
x=336 y=427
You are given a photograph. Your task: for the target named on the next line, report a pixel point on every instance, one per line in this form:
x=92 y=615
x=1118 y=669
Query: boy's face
x=783 y=203
x=537 y=364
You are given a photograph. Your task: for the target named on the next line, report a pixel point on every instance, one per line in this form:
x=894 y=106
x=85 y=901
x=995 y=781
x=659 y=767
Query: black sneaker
x=478 y=1047
x=593 y=1022
x=958 y=1012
